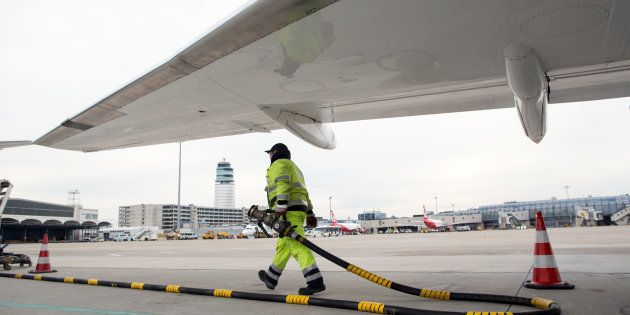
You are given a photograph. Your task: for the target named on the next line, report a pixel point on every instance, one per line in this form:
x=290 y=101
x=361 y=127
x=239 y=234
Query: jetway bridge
x=621 y=217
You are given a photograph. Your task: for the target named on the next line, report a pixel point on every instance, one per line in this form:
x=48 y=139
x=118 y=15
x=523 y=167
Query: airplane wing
x=10 y=144
x=303 y=64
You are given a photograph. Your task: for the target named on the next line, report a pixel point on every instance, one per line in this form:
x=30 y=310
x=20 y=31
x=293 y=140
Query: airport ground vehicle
x=6 y=259
x=241 y=235
x=462 y=228
x=171 y=235
x=188 y=236
x=261 y=234
x=330 y=230
x=208 y=235
x=392 y=231
x=136 y=233
x=122 y=238
x=224 y=235
x=313 y=233
x=256 y=232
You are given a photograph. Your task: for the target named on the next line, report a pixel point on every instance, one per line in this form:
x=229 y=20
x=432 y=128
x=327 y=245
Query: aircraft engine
x=306 y=128
x=530 y=86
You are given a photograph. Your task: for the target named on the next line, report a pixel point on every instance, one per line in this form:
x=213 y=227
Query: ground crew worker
x=288 y=197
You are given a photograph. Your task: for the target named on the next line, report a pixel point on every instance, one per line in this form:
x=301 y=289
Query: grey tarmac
x=596 y=260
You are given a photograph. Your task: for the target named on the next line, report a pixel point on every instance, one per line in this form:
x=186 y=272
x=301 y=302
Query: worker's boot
x=270 y=283
x=311 y=289
x=314 y=281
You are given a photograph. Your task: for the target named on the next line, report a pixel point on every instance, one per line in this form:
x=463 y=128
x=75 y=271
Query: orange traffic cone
x=43 y=261
x=546 y=273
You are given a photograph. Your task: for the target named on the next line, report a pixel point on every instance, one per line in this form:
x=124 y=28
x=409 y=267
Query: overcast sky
x=58 y=58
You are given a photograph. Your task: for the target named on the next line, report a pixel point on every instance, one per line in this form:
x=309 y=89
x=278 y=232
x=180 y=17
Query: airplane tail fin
x=425 y=211
x=332 y=214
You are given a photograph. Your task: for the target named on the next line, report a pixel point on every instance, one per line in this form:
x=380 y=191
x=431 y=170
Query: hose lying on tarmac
x=544 y=306
x=364 y=306
x=286 y=229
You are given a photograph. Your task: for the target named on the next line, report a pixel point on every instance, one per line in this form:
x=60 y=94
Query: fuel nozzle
x=268 y=218
x=260 y=215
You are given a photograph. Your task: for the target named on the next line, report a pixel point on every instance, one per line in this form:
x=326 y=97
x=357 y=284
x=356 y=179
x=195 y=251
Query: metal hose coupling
x=256 y=214
x=268 y=218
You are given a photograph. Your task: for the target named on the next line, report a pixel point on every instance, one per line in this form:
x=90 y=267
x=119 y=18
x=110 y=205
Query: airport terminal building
x=192 y=216
x=605 y=210
x=560 y=212
x=26 y=220
x=556 y=212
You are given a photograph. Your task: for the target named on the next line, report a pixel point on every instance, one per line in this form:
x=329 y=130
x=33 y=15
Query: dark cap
x=278 y=147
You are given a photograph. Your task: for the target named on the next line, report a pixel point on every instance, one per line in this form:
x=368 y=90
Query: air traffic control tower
x=224 y=186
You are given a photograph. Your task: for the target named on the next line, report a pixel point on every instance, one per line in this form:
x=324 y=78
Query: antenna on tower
x=74 y=197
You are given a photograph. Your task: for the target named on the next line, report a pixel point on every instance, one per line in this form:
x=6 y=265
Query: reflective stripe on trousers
x=312 y=274
x=273 y=274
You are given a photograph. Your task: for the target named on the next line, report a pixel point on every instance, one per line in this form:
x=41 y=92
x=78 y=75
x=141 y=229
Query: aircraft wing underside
x=300 y=65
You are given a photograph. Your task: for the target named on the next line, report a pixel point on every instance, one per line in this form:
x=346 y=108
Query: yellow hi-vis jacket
x=285 y=186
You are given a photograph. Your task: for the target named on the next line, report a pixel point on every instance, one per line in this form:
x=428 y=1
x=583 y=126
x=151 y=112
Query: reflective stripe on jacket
x=285 y=185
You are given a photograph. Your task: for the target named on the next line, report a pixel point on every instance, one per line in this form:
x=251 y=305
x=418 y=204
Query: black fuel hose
x=363 y=306
x=544 y=306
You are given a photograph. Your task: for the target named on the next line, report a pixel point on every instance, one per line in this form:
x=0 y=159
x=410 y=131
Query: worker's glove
x=311 y=220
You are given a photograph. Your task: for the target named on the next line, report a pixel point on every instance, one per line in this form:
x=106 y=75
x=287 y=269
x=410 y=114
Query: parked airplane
x=303 y=65
x=250 y=230
x=255 y=231
x=346 y=227
x=432 y=223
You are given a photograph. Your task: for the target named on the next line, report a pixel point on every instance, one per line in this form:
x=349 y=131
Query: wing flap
x=469 y=96
x=595 y=82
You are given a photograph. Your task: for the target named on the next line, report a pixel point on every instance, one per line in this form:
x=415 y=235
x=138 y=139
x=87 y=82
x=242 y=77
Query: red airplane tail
x=334 y=219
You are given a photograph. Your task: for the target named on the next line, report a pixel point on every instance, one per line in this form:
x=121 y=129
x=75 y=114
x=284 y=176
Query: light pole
x=436 y=211
x=566 y=187
x=179 y=187
x=453 y=207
